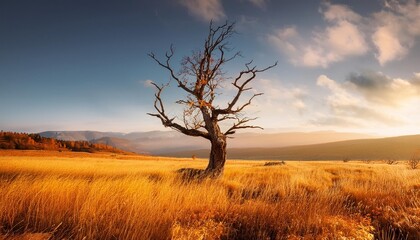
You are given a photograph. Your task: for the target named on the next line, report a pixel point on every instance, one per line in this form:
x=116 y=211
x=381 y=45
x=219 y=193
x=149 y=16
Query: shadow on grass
x=188 y=175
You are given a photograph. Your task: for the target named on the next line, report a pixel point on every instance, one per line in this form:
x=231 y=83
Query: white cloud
x=379 y=88
x=147 y=83
x=341 y=39
x=349 y=107
x=409 y=12
x=277 y=97
x=279 y=106
x=334 y=12
x=205 y=10
x=370 y=101
x=285 y=40
x=395 y=30
x=345 y=39
x=391 y=32
x=340 y=99
x=299 y=105
x=388 y=45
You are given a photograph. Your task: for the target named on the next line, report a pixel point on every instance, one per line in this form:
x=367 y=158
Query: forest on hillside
x=33 y=141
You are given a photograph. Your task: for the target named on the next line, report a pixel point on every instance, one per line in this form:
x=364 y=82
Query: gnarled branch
x=241 y=124
x=242 y=87
x=169 y=122
x=167 y=66
x=200 y=76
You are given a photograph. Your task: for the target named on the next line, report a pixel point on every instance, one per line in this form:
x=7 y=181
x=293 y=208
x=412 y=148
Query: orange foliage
x=24 y=141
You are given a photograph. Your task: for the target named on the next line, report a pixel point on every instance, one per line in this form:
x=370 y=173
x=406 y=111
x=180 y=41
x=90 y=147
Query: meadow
x=52 y=195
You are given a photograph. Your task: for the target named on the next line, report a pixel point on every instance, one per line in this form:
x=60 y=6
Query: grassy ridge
x=108 y=198
x=384 y=148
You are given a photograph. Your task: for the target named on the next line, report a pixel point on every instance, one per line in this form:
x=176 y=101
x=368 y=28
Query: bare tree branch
x=167 y=66
x=240 y=124
x=200 y=77
x=242 y=87
x=169 y=122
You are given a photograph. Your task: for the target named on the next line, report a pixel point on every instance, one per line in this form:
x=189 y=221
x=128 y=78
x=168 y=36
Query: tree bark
x=217 y=157
x=200 y=77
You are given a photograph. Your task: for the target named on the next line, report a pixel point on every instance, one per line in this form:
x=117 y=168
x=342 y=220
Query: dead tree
x=200 y=77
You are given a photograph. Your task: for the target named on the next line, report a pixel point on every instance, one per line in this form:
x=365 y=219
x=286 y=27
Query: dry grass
x=91 y=196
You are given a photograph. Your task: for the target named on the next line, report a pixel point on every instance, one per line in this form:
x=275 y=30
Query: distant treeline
x=25 y=141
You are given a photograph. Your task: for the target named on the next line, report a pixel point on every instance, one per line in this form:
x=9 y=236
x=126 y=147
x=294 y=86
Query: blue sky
x=83 y=65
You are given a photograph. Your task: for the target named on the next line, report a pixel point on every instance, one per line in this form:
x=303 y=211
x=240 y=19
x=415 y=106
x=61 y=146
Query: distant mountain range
x=322 y=145
x=397 y=148
x=164 y=142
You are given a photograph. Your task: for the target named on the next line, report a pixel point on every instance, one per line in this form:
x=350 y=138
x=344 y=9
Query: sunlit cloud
x=351 y=107
x=338 y=12
x=341 y=38
x=379 y=88
x=275 y=93
x=286 y=40
x=205 y=10
x=370 y=100
x=391 y=32
x=395 y=30
x=388 y=45
x=280 y=106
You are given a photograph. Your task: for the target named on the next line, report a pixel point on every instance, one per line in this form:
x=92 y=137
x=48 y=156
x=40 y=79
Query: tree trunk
x=217 y=157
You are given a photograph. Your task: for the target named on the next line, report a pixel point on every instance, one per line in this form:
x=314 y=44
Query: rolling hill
x=164 y=142
x=382 y=148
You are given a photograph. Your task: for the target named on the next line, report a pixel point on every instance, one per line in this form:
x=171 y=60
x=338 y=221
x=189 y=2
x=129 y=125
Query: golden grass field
x=52 y=195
